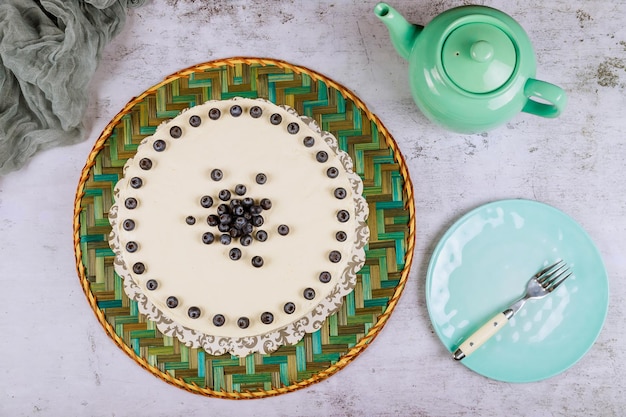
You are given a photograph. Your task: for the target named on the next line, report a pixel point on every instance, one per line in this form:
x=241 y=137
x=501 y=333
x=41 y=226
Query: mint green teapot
x=471 y=68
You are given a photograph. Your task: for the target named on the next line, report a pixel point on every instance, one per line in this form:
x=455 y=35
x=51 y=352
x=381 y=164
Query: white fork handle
x=480 y=336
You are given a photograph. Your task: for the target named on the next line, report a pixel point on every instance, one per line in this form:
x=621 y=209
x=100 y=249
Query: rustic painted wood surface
x=55 y=359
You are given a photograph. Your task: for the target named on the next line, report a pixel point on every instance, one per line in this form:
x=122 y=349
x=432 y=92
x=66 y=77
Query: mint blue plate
x=482 y=264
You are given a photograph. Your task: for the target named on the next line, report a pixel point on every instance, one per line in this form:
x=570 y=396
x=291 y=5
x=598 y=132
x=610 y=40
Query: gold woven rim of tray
x=233 y=73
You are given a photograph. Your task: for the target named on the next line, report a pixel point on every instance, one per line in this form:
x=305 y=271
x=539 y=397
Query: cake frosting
x=239 y=226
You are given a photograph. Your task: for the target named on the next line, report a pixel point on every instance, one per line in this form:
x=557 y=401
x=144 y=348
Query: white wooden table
x=56 y=360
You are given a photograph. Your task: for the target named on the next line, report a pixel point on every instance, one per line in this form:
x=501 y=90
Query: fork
x=539 y=285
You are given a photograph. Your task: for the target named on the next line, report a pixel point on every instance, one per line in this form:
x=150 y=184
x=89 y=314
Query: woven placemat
x=387 y=188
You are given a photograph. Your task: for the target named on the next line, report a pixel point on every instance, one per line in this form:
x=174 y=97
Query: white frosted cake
x=239 y=226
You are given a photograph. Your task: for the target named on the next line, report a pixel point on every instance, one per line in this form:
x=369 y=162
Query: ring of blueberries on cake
x=239 y=226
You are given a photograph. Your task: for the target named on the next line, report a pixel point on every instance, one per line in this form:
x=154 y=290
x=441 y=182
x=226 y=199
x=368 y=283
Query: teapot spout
x=402 y=33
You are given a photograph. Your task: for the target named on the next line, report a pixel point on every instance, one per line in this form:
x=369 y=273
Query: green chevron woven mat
x=345 y=334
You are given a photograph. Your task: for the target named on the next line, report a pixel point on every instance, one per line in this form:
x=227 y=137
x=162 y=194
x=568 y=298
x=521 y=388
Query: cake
x=239 y=226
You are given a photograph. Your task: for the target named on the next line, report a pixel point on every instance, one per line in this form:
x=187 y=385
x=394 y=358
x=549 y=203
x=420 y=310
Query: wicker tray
x=387 y=188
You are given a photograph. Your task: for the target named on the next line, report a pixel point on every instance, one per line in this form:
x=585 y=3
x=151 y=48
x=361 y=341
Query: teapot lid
x=478 y=57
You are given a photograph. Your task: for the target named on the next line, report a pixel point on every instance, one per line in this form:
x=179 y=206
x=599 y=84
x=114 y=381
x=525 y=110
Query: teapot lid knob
x=481 y=51
x=478 y=57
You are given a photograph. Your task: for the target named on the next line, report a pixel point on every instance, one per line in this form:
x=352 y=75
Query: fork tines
x=552 y=276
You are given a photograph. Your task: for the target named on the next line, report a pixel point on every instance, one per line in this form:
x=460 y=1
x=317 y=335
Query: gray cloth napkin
x=49 y=50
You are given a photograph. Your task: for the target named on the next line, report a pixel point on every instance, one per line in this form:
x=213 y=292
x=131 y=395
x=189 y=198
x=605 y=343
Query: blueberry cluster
x=237 y=218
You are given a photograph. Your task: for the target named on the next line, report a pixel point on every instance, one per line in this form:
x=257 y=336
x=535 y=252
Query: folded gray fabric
x=49 y=50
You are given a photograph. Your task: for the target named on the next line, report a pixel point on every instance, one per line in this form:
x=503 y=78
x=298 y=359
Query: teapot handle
x=554 y=95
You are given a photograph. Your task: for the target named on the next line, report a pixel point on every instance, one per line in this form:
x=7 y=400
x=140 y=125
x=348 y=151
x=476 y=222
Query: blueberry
x=214 y=114
x=240 y=222
x=238 y=210
x=261 y=178
x=261 y=235
x=129 y=224
x=325 y=277
x=257 y=261
x=223 y=227
x=340 y=193
x=235 y=111
x=309 y=293
x=289 y=308
x=256 y=210
x=293 y=128
x=152 y=284
x=234 y=232
x=225 y=239
x=247 y=228
x=208 y=238
x=132 y=246
x=240 y=189
x=222 y=209
x=206 y=201
x=234 y=254
x=256 y=112
x=217 y=174
x=159 y=145
x=193 y=312
x=190 y=220
x=224 y=195
x=308 y=141
x=247 y=215
x=136 y=182
x=235 y=202
x=341 y=236
x=332 y=172
x=172 y=302
x=247 y=202
x=267 y=318
x=343 y=216
x=257 y=221
x=139 y=268
x=226 y=218
x=145 y=164
x=176 y=132
x=276 y=119
x=213 y=220
x=334 y=256
x=130 y=203
x=243 y=322
x=218 y=320
x=266 y=203
x=321 y=156
x=195 y=121
x=245 y=240
x=283 y=230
